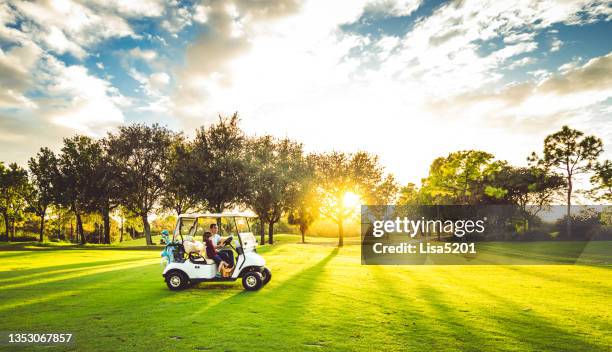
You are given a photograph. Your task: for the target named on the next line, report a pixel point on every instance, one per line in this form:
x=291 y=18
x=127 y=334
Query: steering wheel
x=228 y=240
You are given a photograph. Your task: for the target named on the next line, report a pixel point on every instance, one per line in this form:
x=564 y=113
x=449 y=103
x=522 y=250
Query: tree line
x=144 y=169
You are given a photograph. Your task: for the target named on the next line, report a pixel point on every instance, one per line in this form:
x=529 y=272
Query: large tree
x=143 y=154
x=531 y=189
x=340 y=175
x=78 y=165
x=304 y=209
x=14 y=186
x=107 y=186
x=274 y=170
x=176 y=195
x=570 y=153
x=218 y=168
x=459 y=178
x=44 y=172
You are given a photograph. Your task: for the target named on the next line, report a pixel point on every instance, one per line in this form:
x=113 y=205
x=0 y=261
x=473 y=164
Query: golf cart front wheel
x=252 y=281
x=267 y=275
x=176 y=281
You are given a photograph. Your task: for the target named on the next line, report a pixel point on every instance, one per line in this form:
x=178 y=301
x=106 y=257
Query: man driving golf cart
x=187 y=260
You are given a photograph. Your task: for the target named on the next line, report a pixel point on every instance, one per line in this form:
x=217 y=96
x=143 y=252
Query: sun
x=351 y=200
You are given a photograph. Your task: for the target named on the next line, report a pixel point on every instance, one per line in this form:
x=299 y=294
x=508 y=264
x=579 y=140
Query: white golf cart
x=239 y=246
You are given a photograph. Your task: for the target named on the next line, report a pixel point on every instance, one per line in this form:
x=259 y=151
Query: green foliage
x=218 y=172
x=44 y=170
x=275 y=169
x=459 y=178
x=178 y=176
x=14 y=187
x=142 y=152
x=569 y=152
x=602 y=182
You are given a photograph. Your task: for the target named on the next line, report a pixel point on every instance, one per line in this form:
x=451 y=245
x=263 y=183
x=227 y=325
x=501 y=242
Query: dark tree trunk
x=42 y=226
x=121 y=231
x=271 y=232
x=147 y=228
x=106 y=218
x=6 y=226
x=303 y=232
x=79 y=225
x=262 y=233
x=13 y=229
x=568 y=223
x=340 y=233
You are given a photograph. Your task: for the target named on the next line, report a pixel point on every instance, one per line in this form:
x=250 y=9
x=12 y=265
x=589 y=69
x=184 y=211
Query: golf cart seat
x=197 y=259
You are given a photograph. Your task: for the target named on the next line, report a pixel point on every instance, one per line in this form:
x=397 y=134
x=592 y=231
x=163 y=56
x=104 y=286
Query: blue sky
x=407 y=80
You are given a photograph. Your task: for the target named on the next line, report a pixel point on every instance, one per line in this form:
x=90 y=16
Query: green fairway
x=320 y=299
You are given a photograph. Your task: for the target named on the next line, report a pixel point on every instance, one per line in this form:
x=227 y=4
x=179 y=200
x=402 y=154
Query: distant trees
x=142 y=169
x=571 y=153
x=142 y=153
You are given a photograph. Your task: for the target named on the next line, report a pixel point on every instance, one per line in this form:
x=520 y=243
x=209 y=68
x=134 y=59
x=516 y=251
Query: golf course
x=320 y=299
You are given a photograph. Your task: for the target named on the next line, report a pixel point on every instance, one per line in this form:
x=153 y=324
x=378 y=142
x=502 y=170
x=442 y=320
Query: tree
x=142 y=152
x=340 y=175
x=532 y=189
x=107 y=187
x=305 y=208
x=408 y=195
x=571 y=153
x=274 y=171
x=176 y=195
x=602 y=181
x=460 y=177
x=13 y=187
x=218 y=171
x=45 y=173
x=78 y=166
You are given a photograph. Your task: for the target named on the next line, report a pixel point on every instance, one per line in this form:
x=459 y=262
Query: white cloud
x=335 y=90
x=82 y=102
x=556 y=44
x=146 y=55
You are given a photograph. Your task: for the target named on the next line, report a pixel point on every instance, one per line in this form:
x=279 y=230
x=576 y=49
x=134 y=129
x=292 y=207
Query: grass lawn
x=320 y=299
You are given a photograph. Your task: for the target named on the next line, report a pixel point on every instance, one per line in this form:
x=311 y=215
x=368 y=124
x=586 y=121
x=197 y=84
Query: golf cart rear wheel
x=252 y=281
x=267 y=275
x=176 y=280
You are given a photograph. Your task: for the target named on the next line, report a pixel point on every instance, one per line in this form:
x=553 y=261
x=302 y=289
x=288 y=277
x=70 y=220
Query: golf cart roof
x=217 y=215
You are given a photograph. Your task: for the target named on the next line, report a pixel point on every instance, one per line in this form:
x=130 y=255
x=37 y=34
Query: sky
x=407 y=80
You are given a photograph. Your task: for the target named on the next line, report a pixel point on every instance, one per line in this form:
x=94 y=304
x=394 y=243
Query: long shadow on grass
x=16 y=275
x=440 y=329
x=563 y=279
x=278 y=308
x=535 y=332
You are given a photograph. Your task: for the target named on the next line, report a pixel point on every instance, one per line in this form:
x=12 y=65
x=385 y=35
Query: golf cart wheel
x=252 y=281
x=267 y=275
x=176 y=280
